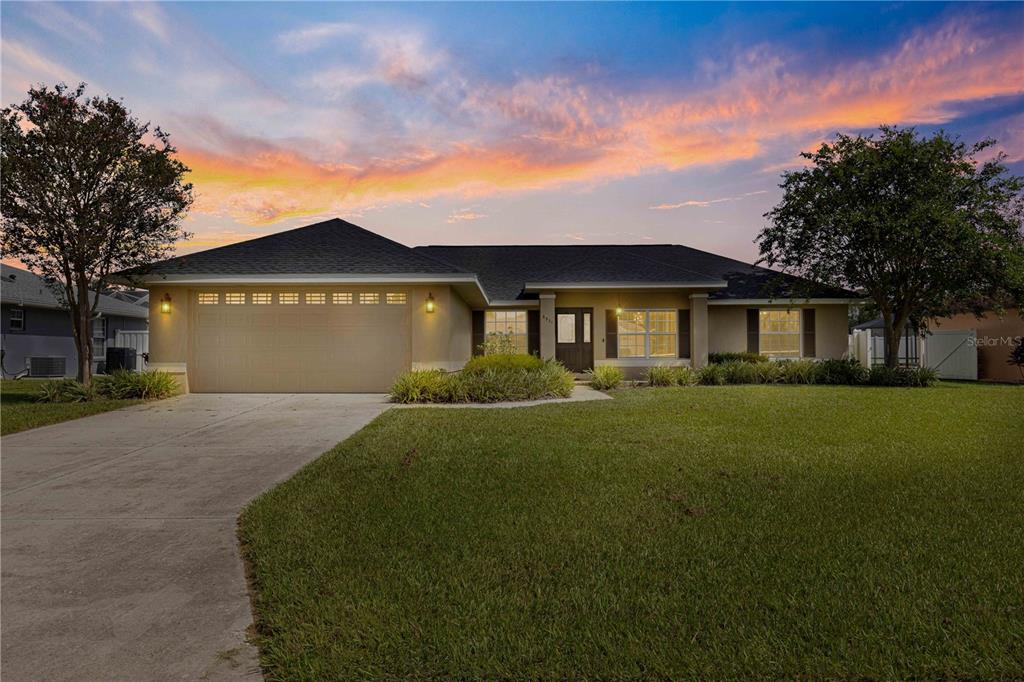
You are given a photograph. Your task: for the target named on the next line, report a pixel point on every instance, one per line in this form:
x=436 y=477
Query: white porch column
x=547 y=326
x=698 y=330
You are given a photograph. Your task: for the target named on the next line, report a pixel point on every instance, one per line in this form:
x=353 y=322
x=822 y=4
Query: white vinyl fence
x=954 y=353
x=137 y=340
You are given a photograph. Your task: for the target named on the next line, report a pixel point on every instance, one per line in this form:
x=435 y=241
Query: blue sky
x=521 y=123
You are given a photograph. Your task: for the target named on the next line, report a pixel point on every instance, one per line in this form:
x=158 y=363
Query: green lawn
x=709 y=532
x=20 y=411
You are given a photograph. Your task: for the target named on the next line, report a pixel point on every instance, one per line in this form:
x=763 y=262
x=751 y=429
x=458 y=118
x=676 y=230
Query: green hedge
x=832 y=372
x=722 y=358
x=486 y=381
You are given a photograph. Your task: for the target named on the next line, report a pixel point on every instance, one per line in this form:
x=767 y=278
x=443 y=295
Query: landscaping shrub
x=484 y=384
x=722 y=358
x=797 y=371
x=661 y=376
x=711 y=375
x=768 y=372
x=127 y=385
x=503 y=361
x=422 y=386
x=684 y=376
x=740 y=372
x=846 y=371
x=64 y=391
x=902 y=376
x=606 y=377
x=498 y=343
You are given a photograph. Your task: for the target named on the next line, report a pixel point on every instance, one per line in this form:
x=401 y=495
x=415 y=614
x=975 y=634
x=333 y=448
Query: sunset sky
x=521 y=123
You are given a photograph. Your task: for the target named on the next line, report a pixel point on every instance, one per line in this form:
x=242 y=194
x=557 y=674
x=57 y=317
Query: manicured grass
x=20 y=411
x=708 y=532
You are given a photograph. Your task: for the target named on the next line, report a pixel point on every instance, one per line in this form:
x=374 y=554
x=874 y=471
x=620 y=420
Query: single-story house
x=334 y=307
x=36 y=327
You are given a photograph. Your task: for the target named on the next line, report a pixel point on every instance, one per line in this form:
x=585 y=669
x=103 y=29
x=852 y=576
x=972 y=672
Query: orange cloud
x=542 y=133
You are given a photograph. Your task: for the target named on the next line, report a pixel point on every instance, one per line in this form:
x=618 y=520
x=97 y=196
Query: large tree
x=86 y=190
x=919 y=224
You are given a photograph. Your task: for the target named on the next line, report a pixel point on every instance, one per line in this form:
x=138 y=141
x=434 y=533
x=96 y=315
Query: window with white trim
x=779 y=333
x=395 y=298
x=16 y=322
x=369 y=298
x=511 y=322
x=316 y=298
x=341 y=298
x=648 y=334
x=261 y=298
x=99 y=338
x=231 y=298
x=288 y=298
x=209 y=299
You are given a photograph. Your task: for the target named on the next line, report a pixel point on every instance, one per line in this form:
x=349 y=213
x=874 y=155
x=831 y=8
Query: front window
x=16 y=322
x=508 y=322
x=779 y=333
x=648 y=334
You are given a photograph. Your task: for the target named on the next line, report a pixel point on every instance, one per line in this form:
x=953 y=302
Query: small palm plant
x=1017 y=356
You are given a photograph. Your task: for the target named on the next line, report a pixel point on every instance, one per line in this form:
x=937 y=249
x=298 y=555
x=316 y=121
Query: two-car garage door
x=298 y=340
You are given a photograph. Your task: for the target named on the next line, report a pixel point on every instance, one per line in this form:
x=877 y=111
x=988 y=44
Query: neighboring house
x=985 y=343
x=334 y=307
x=995 y=337
x=36 y=328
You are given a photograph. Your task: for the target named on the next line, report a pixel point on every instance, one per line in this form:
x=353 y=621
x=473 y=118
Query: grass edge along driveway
x=19 y=410
x=717 y=532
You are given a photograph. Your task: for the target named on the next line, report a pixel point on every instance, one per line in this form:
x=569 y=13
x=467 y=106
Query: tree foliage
x=87 y=190
x=919 y=224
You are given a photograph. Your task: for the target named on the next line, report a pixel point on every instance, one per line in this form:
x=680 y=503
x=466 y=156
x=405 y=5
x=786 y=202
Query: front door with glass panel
x=574 y=332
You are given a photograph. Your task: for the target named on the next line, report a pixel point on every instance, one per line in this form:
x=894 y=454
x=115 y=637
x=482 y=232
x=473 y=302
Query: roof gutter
x=711 y=284
x=782 y=301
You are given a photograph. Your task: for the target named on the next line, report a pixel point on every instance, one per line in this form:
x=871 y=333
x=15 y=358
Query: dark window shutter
x=533 y=332
x=684 y=333
x=611 y=334
x=809 y=333
x=478 y=332
x=753 y=334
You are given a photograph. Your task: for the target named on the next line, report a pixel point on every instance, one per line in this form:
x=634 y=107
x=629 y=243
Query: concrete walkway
x=119 y=553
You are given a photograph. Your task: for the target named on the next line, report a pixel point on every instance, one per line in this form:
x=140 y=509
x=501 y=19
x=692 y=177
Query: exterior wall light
x=165 y=304
x=430 y=303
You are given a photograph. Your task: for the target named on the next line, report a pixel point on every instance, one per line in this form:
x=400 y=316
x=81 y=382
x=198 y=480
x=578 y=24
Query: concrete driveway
x=119 y=553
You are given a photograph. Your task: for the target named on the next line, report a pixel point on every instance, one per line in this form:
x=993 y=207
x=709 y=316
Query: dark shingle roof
x=503 y=270
x=333 y=246
x=338 y=247
x=23 y=288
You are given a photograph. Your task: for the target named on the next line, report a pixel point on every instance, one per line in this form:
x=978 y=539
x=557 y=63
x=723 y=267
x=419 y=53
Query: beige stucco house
x=333 y=307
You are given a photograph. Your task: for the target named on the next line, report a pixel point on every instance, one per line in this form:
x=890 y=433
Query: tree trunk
x=892 y=341
x=81 y=318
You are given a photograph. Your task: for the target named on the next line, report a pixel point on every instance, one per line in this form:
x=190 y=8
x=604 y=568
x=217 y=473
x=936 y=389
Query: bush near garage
x=119 y=385
x=503 y=378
